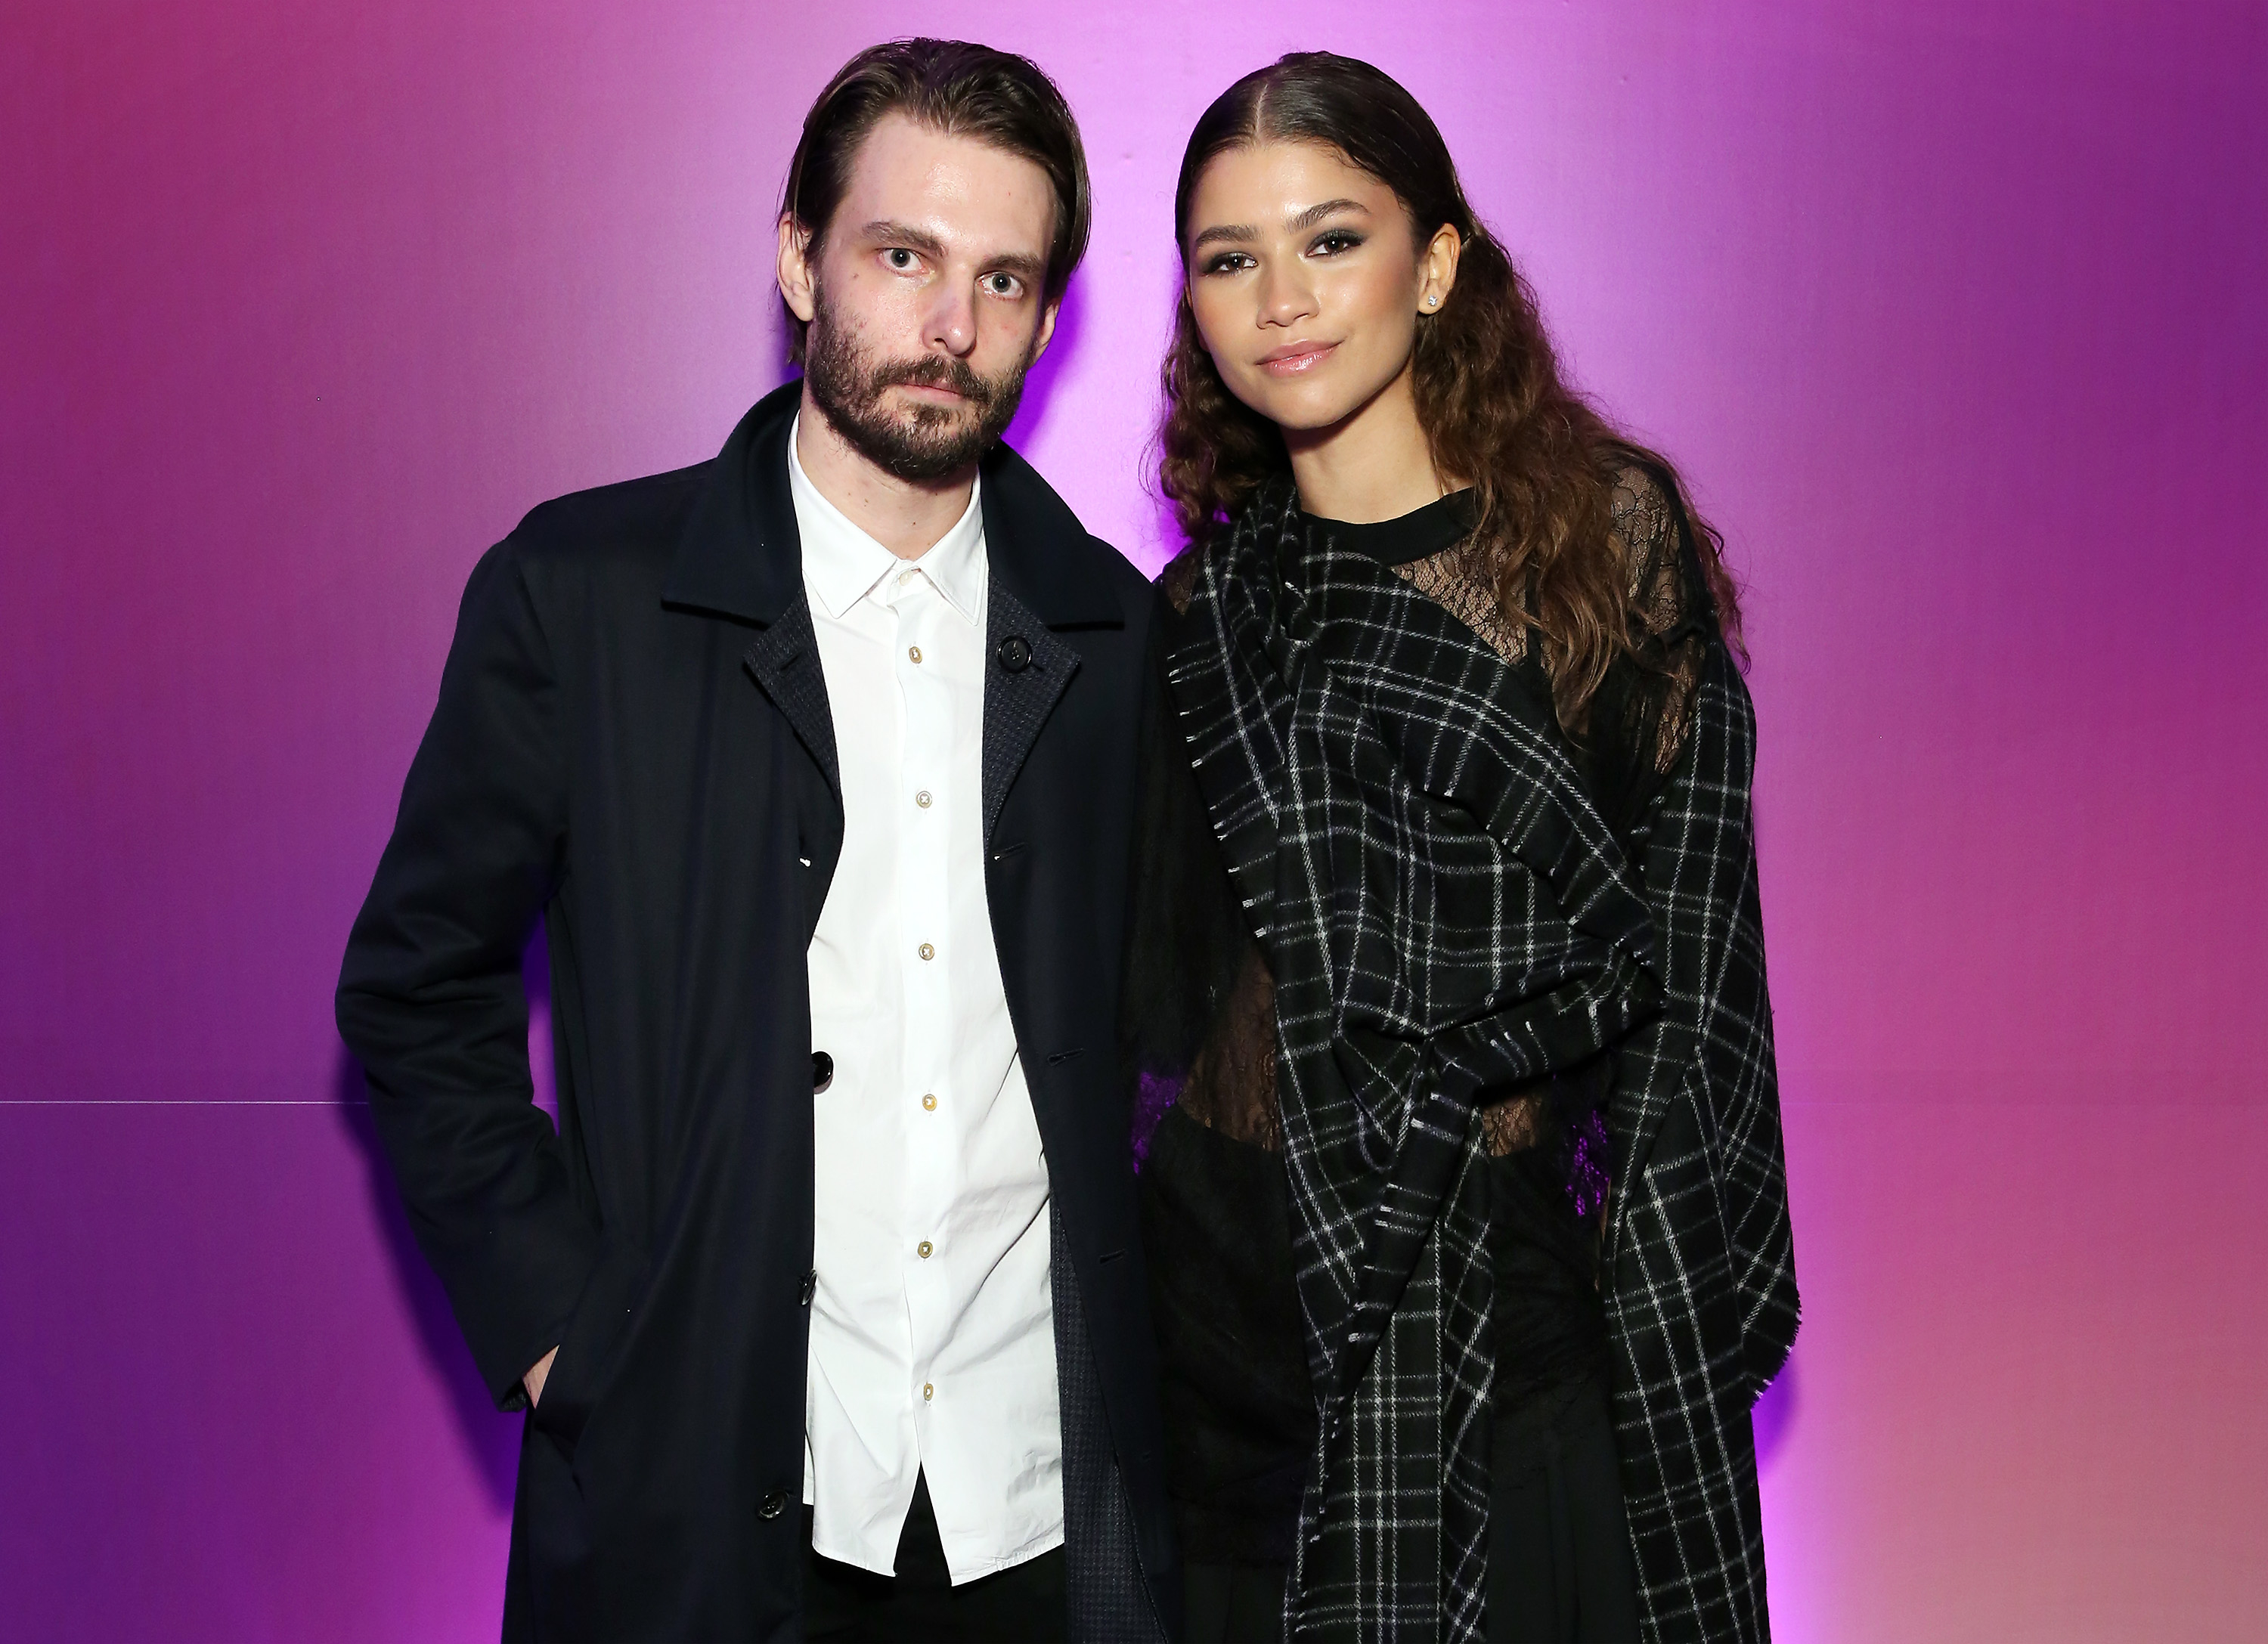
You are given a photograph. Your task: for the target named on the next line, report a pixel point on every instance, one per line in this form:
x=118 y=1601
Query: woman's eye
x=1229 y=262
x=1336 y=241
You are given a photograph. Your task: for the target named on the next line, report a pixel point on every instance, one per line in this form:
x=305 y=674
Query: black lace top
x=1200 y=1029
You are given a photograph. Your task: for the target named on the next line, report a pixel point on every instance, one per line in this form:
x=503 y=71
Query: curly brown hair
x=1542 y=461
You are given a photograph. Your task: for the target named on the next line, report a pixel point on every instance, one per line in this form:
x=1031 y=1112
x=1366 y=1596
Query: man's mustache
x=938 y=370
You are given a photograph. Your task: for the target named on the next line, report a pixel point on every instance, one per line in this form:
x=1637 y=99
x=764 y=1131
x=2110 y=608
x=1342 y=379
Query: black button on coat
x=632 y=741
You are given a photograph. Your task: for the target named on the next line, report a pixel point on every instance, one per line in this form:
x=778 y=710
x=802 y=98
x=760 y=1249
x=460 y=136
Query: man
x=816 y=761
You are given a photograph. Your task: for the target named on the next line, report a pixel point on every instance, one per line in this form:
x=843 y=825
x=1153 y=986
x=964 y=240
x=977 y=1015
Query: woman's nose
x=1286 y=296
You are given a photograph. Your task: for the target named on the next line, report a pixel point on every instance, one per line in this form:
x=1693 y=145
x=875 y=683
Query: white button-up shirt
x=932 y=1341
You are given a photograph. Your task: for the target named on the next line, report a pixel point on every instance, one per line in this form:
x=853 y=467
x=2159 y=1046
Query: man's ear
x=794 y=267
x=1047 y=329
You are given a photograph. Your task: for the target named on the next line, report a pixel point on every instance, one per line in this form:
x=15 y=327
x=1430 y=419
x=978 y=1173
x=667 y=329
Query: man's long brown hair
x=1497 y=414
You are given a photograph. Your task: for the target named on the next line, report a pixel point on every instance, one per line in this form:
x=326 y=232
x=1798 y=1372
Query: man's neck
x=1375 y=464
x=906 y=517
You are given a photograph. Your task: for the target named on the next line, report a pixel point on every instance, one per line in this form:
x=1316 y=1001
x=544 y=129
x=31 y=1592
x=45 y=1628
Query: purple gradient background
x=1954 y=314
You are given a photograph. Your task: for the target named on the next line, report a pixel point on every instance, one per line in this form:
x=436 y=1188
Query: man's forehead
x=956 y=188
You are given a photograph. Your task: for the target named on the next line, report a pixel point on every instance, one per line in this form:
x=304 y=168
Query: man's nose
x=953 y=319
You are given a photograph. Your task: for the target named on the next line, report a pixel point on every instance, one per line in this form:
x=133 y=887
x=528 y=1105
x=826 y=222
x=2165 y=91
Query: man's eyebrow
x=1022 y=264
x=887 y=232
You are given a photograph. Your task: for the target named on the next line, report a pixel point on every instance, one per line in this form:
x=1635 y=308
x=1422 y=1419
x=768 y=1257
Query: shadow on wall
x=1040 y=384
x=1773 y=1420
x=490 y=1438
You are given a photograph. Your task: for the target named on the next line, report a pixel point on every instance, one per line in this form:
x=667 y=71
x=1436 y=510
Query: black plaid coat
x=1446 y=915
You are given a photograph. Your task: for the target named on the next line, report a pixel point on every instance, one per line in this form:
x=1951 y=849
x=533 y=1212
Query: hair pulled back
x=1495 y=411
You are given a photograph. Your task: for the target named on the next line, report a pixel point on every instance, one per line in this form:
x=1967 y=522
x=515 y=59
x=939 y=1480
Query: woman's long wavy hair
x=1542 y=461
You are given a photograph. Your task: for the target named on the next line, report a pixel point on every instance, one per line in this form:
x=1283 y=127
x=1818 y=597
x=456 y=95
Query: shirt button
x=926 y=950
x=930 y=1104
x=923 y=1249
x=913 y=651
x=922 y=799
x=929 y=1390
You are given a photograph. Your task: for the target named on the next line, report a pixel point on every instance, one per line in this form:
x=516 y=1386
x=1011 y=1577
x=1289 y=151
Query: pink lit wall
x=1953 y=311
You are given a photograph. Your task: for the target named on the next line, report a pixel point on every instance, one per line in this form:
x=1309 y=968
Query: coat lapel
x=1025 y=676
x=741 y=558
x=784 y=660
x=1038 y=582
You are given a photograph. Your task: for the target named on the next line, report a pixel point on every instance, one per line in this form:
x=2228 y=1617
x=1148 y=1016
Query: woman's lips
x=1293 y=361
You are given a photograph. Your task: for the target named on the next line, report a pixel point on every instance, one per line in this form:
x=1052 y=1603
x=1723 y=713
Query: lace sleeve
x=1669 y=620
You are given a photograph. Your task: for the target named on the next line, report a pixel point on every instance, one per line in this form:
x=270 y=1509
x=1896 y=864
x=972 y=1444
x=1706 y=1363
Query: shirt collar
x=842 y=564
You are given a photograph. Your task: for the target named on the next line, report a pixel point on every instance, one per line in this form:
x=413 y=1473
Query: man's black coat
x=632 y=740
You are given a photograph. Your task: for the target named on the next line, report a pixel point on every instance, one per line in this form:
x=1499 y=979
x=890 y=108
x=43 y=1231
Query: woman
x=1465 y=1211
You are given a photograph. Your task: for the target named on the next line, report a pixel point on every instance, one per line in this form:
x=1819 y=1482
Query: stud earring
x=1431 y=301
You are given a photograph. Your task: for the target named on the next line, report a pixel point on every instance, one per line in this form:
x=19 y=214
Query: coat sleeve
x=431 y=999
x=1704 y=885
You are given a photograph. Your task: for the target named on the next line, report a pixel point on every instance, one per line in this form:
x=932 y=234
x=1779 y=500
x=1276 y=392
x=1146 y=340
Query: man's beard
x=927 y=442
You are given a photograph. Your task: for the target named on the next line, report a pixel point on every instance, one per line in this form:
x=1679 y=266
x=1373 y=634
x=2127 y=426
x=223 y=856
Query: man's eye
x=898 y=258
x=1002 y=285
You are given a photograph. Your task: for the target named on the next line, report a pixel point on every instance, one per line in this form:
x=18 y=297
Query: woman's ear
x=1437 y=268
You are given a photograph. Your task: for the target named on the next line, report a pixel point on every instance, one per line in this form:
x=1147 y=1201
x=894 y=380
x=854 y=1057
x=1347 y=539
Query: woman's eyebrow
x=1315 y=214
x=1233 y=234
x=1238 y=233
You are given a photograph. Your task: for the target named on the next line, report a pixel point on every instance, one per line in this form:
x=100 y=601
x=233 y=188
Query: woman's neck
x=1372 y=464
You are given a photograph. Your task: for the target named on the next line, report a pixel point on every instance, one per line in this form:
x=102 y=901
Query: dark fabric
x=631 y=743
x=1550 y=1323
x=1702 y=1306
x=1559 y=1567
x=1444 y=916
x=1546 y=1177
x=1111 y=1601
x=844 y=1604
x=1375 y=775
x=1438 y=526
x=1235 y=1603
x=1239 y=1408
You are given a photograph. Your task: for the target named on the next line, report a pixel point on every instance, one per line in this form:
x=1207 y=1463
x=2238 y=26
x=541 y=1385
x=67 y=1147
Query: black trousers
x=844 y=1604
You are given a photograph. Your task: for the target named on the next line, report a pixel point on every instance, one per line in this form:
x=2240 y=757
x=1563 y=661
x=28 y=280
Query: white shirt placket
x=931 y=1158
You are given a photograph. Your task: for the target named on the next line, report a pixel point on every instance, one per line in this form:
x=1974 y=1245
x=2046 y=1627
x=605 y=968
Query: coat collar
x=740 y=556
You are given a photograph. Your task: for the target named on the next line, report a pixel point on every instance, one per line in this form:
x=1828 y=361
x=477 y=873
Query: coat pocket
x=590 y=1347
